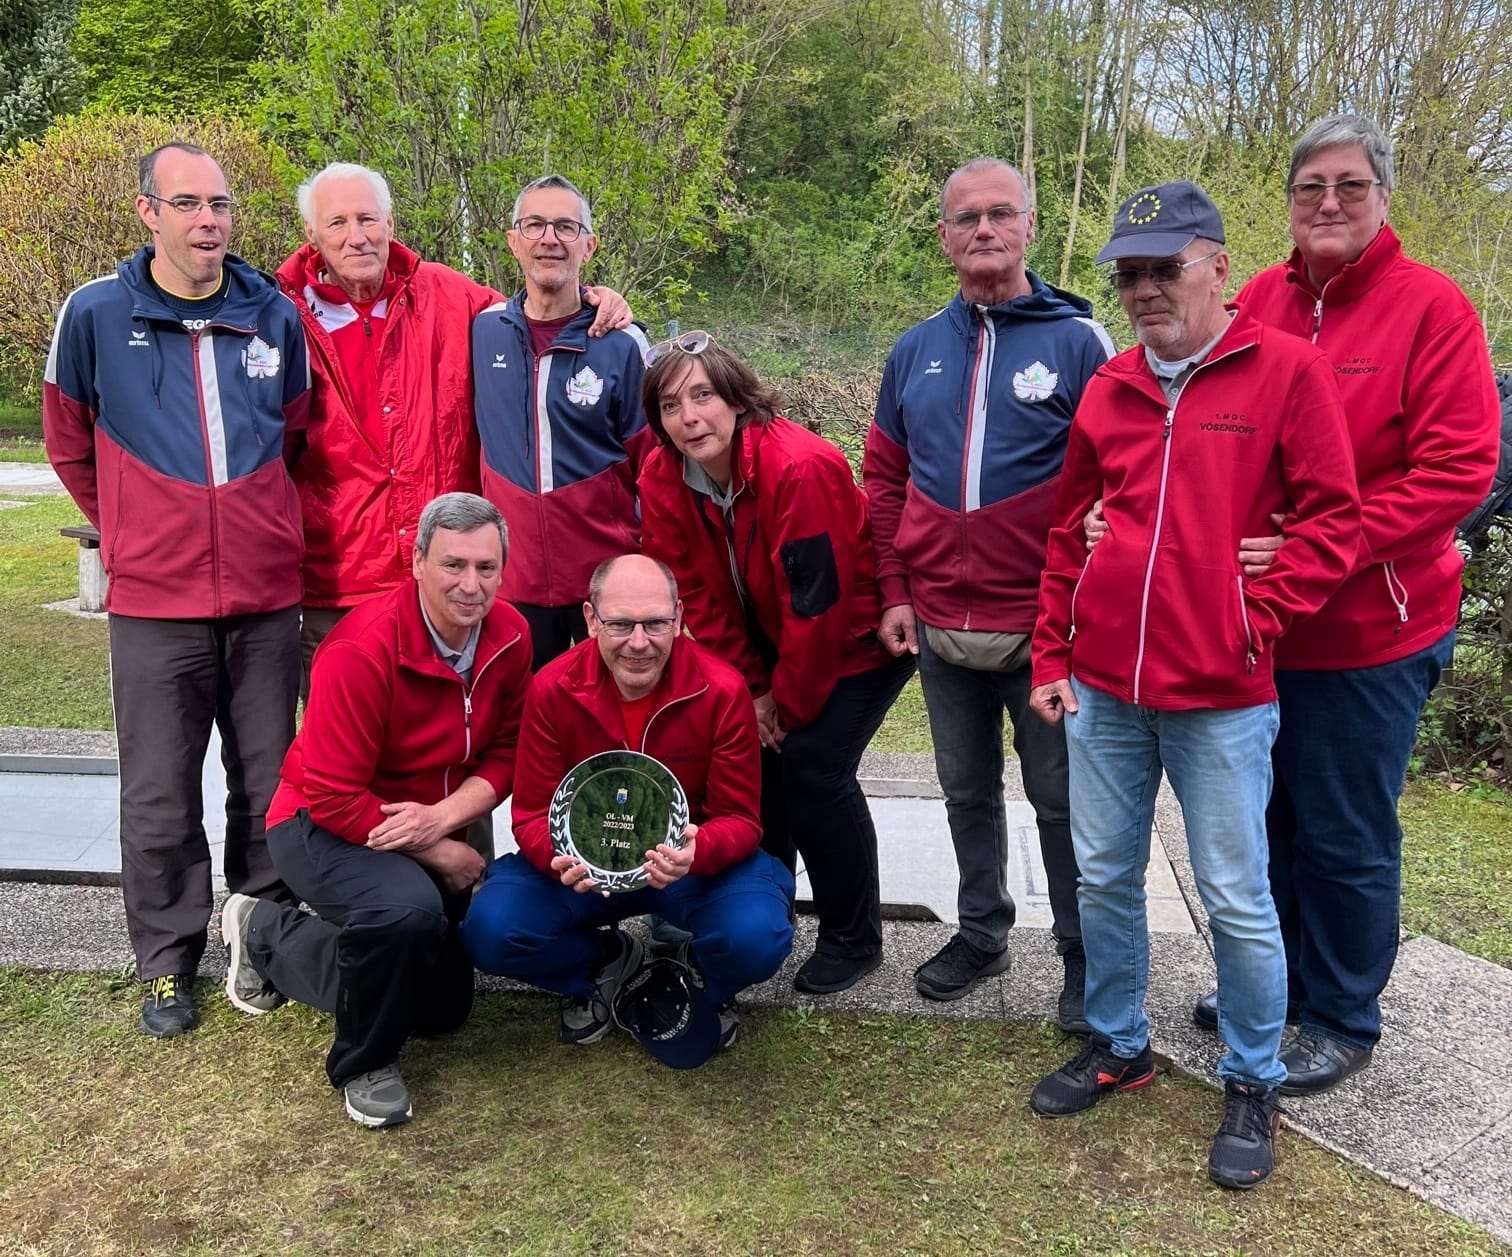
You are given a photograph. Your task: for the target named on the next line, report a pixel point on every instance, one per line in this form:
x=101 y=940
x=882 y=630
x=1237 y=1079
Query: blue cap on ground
x=667 y=1013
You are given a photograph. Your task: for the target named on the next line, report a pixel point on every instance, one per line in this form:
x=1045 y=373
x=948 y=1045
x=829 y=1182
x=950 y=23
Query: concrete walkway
x=28 y=478
x=1423 y=1115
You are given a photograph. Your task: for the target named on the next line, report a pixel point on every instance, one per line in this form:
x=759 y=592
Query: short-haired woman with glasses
x=768 y=534
x=1352 y=680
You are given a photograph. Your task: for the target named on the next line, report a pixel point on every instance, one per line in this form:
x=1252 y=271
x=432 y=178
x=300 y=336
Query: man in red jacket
x=638 y=684
x=409 y=736
x=1158 y=653
x=391 y=419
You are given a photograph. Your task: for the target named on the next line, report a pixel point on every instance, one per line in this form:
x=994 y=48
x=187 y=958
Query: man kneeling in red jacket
x=637 y=684
x=409 y=736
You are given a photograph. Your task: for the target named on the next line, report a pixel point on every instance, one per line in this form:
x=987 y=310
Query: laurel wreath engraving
x=558 y=818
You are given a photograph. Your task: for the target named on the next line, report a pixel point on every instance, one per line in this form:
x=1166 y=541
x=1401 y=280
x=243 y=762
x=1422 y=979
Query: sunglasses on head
x=694 y=342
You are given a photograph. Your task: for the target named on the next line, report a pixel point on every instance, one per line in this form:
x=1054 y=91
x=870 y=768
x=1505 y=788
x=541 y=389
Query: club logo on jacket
x=1035 y=382
x=261 y=359
x=584 y=388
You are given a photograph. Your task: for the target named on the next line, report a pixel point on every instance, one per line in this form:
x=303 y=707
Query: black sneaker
x=1244 y=1150
x=824 y=973
x=956 y=968
x=586 y=1021
x=1071 y=1007
x=169 y=1007
x=1094 y=1072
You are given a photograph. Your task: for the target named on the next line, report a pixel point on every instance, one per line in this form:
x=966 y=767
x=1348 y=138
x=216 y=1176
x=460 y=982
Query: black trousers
x=383 y=952
x=811 y=802
x=170 y=681
x=553 y=630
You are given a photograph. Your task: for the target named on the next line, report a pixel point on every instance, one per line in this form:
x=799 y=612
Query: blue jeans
x=1335 y=843
x=525 y=924
x=1219 y=766
x=966 y=708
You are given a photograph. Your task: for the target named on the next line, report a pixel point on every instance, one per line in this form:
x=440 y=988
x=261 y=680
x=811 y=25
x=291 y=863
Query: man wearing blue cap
x=1193 y=438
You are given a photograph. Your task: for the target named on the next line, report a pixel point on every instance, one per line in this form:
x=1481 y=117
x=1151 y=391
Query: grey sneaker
x=378 y=1098
x=729 y=1024
x=245 y=987
x=586 y=1021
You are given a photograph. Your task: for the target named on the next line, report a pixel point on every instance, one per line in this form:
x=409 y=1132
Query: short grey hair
x=343 y=170
x=985 y=163
x=555 y=181
x=1345 y=128
x=147 y=184
x=601 y=574
x=459 y=512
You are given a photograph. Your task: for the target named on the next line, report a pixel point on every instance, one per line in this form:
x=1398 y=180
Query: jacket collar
x=1357 y=277
x=590 y=683
x=574 y=336
x=417 y=652
x=1132 y=367
x=304 y=268
x=249 y=292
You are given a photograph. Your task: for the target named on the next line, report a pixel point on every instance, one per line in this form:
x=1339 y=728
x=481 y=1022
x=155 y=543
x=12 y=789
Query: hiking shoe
x=1244 y=1150
x=957 y=967
x=169 y=1007
x=586 y=1021
x=378 y=1098
x=729 y=1024
x=245 y=987
x=1094 y=1072
x=824 y=973
x=1071 y=1007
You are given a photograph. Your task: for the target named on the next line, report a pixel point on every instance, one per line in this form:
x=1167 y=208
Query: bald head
x=634 y=616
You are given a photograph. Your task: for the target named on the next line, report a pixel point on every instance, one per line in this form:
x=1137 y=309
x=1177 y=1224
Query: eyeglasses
x=190 y=206
x=656 y=626
x=533 y=228
x=694 y=342
x=1161 y=274
x=1349 y=191
x=997 y=216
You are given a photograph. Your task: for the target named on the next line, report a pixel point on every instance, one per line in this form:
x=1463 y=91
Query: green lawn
x=1457 y=867
x=54 y=667
x=818 y=1133
x=20 y=433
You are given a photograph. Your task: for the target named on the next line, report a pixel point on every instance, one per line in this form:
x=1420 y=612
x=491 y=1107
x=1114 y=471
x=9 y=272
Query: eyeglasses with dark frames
x=534 y=228
x=656 y=626
x=189 y=206
x=1162 y=274
x=1349 y=191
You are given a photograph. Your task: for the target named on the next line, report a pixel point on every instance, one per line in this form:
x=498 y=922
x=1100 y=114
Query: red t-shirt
x=544 y=331
x=635 y=712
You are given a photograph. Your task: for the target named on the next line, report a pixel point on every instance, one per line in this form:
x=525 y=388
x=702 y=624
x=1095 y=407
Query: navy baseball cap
x=666 y=1012
x=1160 y=221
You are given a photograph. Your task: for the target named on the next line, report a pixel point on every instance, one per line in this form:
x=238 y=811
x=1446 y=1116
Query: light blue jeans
x=1219 y=766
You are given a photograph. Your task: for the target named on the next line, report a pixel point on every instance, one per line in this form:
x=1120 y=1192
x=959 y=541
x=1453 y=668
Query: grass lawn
x=818 y=1133
x=1457 y=867
x=20 y=433
x=54 y=669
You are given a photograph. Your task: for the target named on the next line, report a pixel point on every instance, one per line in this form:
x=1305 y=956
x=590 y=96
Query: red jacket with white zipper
x=1162 y=616
x=702 y=727
x=389 y=722
x=802 y=544
x=1424 y=419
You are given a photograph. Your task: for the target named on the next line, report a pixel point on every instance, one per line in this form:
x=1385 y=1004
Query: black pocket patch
x=813 y=579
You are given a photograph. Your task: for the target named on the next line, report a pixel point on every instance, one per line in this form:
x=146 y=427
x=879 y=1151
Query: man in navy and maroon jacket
x=409 y=736
x=172 y=388
x=559 y=414
x=638 y=684
x=1156 y=653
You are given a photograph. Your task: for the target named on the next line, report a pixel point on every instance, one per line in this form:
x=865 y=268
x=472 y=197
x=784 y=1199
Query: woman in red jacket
x=767 y=532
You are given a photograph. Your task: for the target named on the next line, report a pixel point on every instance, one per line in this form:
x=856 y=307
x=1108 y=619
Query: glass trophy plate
x=613 y=808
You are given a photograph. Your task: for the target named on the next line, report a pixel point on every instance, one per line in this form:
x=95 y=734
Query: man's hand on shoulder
x=664 y=865
x=898 y=630
x=410 y=827
x=613 y=310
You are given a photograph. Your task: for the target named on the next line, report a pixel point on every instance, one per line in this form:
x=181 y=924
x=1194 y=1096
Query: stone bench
x=92 y=579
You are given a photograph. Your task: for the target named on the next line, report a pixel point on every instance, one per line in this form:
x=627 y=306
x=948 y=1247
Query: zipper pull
x=1165 y=432
x=367 y=327
x=1250 y=660
x=467 y=709
x=1317 y=318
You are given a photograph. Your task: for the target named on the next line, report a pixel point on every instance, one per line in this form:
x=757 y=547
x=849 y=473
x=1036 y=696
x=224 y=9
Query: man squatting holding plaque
x=539 y=917
x=409 y=735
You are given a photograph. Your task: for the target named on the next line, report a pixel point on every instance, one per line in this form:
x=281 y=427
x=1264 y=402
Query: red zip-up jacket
x=802 y=545
x=702 y=727
x=389 y=722
x=1424 y=420
x=364 y=478
x=1164 y=617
